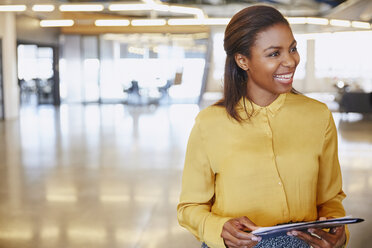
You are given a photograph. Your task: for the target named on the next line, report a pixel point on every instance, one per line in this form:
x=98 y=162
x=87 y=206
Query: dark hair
x=240 y=36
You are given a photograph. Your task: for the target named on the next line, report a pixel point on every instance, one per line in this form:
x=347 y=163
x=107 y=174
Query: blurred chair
x=164 y=89
x=358 y=102
x=134 y=96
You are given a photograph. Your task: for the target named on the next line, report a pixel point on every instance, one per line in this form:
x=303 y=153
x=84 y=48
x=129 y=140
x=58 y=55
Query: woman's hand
x=234 y=234
x=318 y=238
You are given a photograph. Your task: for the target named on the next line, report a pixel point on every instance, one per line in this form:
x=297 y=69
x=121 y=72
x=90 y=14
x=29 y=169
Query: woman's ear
x=242 y=61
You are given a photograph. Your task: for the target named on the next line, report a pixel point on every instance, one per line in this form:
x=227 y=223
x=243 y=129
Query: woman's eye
x=294 y=49
x=274 y=54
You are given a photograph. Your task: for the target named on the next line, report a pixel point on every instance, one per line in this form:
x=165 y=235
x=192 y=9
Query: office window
x=344 y=55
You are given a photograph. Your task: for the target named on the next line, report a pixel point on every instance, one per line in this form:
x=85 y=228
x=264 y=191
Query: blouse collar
x=253 y=108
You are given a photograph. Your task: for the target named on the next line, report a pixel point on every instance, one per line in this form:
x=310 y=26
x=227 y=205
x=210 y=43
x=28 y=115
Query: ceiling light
x=317 y=21
x=216 y=21
x=56 y=23
x=43 y=8
x=149 y=22
x=11 y=8
x=149 y=1
x=356 y=24
x=117 y=22
x=160 y=7
x=340 y=23
x=296 y=20
x=128 y=7
x=141 y=6
x=189 y=21
x=81 y=7
x=199 y=21
x=187 y=10
x=136 y=50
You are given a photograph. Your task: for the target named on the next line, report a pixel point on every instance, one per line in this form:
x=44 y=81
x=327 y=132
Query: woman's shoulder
x=212 y=117
x=212 y=113
x=305 y=103
x=213 y=122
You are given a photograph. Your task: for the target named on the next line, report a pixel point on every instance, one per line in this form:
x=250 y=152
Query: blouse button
x=280 y=183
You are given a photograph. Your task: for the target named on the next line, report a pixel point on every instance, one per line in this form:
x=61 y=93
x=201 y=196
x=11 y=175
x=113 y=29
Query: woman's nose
x=289 y=60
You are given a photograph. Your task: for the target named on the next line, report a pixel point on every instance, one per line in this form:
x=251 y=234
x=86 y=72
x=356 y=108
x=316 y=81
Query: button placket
x=267 y=116
x=267 y=124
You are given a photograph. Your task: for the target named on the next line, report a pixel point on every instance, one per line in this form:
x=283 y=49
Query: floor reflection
x=109 y=176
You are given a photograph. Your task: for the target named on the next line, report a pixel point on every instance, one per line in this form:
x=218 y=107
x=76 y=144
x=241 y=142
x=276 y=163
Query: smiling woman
x=264 y=48
x=271 y=65
x=263 y=155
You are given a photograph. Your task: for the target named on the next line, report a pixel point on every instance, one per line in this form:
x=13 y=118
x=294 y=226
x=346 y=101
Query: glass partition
x=145 y=68
x=91 y=67
x=133 y=68
x=346 y=57
x=35 y=73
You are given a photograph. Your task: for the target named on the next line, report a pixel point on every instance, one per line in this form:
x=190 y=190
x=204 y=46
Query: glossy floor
x=109 y=176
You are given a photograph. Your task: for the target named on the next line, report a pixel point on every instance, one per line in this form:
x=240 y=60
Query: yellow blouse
x=280 y=166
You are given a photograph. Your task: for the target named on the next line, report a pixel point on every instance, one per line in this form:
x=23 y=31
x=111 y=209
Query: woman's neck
x=259 y=95
x=263 y=99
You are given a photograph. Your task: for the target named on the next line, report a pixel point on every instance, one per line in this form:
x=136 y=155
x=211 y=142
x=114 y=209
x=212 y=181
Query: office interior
x=98 y=99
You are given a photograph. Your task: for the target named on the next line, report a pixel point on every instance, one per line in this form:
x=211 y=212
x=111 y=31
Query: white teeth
x=286 y=76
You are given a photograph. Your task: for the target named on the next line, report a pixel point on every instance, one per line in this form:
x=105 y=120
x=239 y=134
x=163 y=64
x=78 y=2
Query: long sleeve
x=330 y=194
x=198 y=183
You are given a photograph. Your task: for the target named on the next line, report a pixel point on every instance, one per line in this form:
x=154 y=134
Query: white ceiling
x=356 y=10
x=216 y=8
x=353 y=10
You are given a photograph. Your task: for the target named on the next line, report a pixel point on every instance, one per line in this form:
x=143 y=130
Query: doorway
x=38 y=74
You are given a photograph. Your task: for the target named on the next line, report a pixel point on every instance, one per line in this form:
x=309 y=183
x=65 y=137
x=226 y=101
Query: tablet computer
x=273 y=231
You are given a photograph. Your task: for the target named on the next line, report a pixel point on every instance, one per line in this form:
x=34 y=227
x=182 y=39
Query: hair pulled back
x=240 y=36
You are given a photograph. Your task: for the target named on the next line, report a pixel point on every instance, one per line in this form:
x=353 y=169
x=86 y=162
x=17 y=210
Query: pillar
x=10 y=81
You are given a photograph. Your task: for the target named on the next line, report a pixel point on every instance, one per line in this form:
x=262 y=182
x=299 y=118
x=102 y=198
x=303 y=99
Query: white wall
x=215 y=84
x=29 y=30
x=10 y=82
x=71 y=69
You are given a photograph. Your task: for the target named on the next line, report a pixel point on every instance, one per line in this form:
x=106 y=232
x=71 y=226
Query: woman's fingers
x=336 y=230
x=238 y=233
x=308 y=238
x=234 y=235
x=333 y=236
x=320 y=234
x=316 y=237
x=234 y=240
x=248 y=223
x=230 y=240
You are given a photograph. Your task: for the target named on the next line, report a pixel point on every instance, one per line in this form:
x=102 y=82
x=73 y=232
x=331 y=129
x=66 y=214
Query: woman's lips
x=284 y=78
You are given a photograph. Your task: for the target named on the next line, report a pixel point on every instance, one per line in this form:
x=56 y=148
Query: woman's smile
x=272 y=64
x=284 y=78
